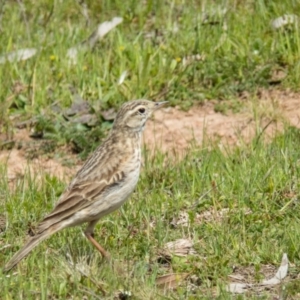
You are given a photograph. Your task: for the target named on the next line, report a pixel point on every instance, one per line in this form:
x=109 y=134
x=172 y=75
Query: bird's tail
x=30 y=245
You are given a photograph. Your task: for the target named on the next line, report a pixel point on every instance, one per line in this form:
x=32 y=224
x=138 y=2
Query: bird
x=104 y=182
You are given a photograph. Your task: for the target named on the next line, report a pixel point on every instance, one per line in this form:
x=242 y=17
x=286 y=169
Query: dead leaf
x=56 y=108
x=78 y=107
x=212 y=215
x=182 y=219
x=86 y=119
x=284 y=20
x=101 y=30
x=170 y=281
x=18 y=55
x=237 y=277
x=79 y=112
x=218 y=215
x=109 y=115
x=181 y=247
x=281 y=272
x=240 y=288
x=187 y=60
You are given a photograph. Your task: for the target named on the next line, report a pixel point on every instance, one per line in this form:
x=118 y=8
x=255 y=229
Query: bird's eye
x=142 y=110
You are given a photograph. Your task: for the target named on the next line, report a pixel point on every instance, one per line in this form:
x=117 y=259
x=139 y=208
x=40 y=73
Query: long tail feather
x=28 y=247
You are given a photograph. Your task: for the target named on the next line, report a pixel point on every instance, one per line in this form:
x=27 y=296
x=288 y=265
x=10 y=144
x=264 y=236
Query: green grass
x=261 y=178
x=238 y=52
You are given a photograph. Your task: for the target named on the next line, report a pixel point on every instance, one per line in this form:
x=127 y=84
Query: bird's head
x=134 y=114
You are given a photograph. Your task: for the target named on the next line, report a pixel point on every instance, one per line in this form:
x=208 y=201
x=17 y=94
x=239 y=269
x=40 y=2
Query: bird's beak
x=160 y=104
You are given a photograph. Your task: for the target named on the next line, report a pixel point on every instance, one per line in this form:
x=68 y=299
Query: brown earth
x=172 y=131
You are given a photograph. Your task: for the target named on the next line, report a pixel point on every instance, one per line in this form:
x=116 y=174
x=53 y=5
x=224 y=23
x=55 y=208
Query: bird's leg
x=89 y=233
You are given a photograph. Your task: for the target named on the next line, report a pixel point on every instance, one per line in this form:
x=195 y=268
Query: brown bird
x=104 y=182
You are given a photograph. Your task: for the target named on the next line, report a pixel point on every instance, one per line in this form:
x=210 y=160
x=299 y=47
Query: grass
x=261 y=179
x=227 y=55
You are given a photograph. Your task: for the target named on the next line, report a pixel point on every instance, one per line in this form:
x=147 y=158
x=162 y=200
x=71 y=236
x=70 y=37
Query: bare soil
x=172 y=130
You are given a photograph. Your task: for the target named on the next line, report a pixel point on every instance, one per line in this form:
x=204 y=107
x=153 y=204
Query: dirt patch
x=24 y=157
x=17 y=165
x=172 y=131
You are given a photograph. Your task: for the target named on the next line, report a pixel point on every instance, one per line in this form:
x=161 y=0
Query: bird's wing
x=80 y=196
x=99 y=173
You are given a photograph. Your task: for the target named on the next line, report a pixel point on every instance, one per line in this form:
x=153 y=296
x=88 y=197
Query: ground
x=173 y=131
x=230 y=206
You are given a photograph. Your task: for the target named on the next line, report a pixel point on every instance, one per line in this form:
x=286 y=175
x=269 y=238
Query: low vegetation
x=238 y=208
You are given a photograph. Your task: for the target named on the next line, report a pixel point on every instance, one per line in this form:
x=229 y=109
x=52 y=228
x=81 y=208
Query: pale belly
x=110 y=200
x=117 y=196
